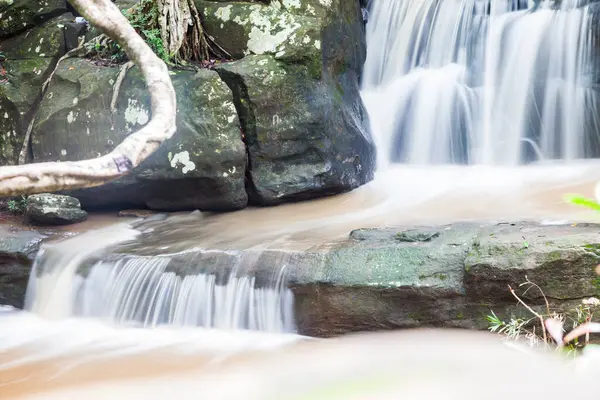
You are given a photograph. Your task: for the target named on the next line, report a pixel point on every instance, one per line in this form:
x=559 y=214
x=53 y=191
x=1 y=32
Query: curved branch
x=55 y=176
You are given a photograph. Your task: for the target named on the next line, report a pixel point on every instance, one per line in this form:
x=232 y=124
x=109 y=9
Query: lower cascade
x=147 y=291
x=498 y=82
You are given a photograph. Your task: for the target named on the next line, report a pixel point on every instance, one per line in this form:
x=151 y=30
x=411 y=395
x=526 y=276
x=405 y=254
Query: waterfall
x=495 y=82
x=79 y=277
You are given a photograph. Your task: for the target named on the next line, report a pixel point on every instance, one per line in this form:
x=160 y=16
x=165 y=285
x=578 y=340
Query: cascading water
x=149 y=291
x=497 y=82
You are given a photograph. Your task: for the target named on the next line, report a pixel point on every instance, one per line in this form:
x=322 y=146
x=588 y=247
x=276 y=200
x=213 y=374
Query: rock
x=246 y=28
x=54 y=209
x=201 y=166
x=416 y=236
x=17 y=250
x=19 y=15
x=30 y=58
x=49 y=40
x=296 y=92
x=298 y=131
x=17 y=99
x=136 y=213
x=454 y=279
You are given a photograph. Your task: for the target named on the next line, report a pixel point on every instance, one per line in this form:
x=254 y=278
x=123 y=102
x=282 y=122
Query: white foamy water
x=480 y=82
x=140 y=290
x=67 y=281
x=40 y=356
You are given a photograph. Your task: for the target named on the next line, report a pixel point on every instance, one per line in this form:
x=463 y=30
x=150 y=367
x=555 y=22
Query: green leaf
x=582 y=201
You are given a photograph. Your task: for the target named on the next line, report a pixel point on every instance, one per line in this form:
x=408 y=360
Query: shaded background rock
x=19 y=15
x=30 y=57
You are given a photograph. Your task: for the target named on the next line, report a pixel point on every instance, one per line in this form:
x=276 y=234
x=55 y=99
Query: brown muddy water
x=50 y=356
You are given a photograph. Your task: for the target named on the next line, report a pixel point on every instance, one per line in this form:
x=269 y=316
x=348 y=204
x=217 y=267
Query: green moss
x=460 y=316
x=416 y=317
x=554 y=256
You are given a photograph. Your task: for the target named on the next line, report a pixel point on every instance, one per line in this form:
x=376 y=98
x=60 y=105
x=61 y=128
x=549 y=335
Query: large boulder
x=201 y=167
x=296 y=91
x=284 y=123
x=300 y=132
x=446 y=276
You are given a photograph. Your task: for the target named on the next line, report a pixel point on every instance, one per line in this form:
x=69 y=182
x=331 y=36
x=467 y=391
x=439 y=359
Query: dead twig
x=531 y=310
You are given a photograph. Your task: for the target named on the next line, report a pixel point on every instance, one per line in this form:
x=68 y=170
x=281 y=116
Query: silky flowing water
x=482 y=110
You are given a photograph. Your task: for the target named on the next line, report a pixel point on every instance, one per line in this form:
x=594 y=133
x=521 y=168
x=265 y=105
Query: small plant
x=584 y=202
x=143 y=17
x=547 y=329
x=17 y=206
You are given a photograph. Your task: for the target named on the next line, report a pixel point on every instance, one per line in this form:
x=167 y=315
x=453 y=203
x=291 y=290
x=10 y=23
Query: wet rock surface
x=373 y=281
x=18 y=248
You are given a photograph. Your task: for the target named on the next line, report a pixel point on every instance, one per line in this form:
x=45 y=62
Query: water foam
x=74 y=278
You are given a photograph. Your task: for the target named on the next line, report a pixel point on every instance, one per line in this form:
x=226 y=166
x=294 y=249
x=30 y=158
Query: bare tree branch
x=55 y=176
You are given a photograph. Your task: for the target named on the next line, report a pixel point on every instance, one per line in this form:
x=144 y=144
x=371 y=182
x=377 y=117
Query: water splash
x=497 y=82
x=74 y=279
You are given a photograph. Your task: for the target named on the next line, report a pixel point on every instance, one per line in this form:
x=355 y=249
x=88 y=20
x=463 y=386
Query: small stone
x=416 y=236
x=54 y=209
x=136 y=213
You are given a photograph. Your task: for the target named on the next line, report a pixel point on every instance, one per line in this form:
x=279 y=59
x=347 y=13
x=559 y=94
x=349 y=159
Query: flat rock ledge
x=446 y=276
x=407 y=277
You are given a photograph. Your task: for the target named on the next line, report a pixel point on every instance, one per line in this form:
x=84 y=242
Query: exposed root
x=117 y=86
x=183 y=34
x=56 y=176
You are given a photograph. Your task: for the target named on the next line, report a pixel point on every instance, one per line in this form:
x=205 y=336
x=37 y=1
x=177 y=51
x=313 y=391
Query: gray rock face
x=54 y=209
x=17 y=250
x=19 y=15
x=300 y=140
x=296 y=91
x=202 y=166
x=284 y=123
x=29 y=60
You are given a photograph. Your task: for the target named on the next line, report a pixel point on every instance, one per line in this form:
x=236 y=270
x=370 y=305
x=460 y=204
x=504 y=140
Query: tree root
x=135 y=148
x=117 y=86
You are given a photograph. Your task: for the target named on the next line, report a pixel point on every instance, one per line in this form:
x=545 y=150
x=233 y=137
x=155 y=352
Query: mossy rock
x=243 y=29
x=19 y=15
x=299 y=134
x=201 y=167
x=51 y=39
x=17 y=99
